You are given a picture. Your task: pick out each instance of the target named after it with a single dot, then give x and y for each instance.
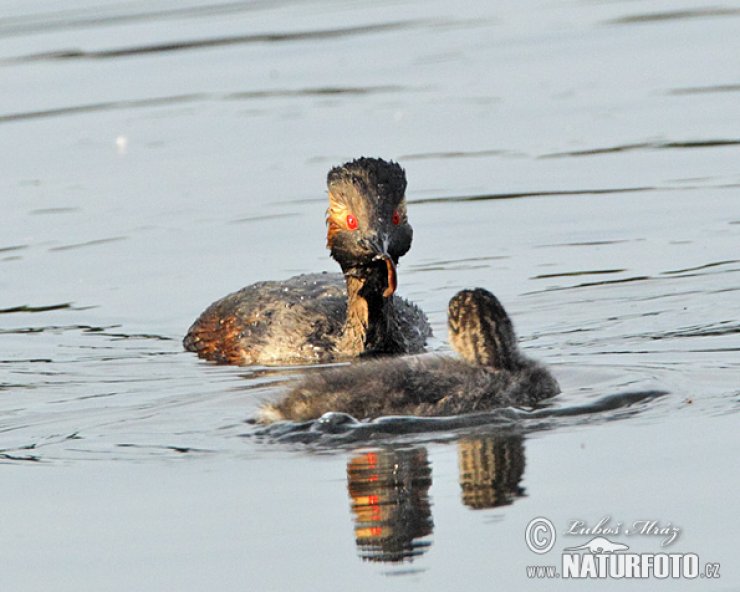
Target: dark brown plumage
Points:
(493, 373)
(325, 317)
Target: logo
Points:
(603, 556)
(599, 545)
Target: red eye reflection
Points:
(396, 219)
(351, 222)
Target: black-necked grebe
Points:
(325, 317)
(492, 373)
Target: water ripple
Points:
(202, 97)
(577, 273)
(103, 106)
(337, 429)
(458, 154)
(714, 143)
(42, 308)
(719, 328)
(673, 15)
(719, 267)
(517, 195)
(458, 264)
(13, 248)
(90, 243)
(702, 267)
(698, 90)
(4, 456)
(60, 210)
(79, 19)
(190, 44)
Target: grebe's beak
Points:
(392, 278)
(381, 248)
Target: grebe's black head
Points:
(367, 221)
(481, 331)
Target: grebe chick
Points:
(326, 317)
(492, 373)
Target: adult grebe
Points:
(492, 373)
(325, 317)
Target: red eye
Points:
(351, 222)
(396, 219)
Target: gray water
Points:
(578, 158)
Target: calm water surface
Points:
(578, 158)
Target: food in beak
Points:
(392, 279)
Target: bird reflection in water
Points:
(389, 489)
(490, 470)
(389, 492)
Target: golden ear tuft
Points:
(336, 214)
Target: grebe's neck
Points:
(371, 324)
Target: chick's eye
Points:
(351, 222)
(396, 219)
